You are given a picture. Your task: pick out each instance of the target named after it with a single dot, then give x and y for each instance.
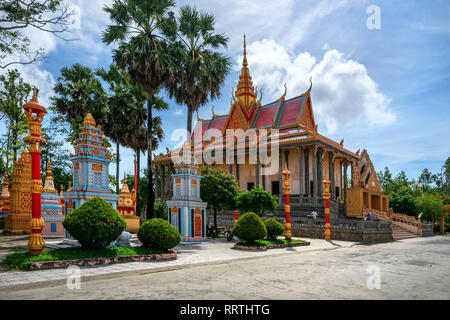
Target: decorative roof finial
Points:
(34, 99)
(310, 87)
(214, 115)
(49, 168)
(244, 62)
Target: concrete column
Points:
(345, 183)
(237, 171)
(257, 172)
(300, 170)
(280, 178)
(314, 166)
(307, 191)
(331, 156)
(163, 173)
(156, 182)
(320, 171)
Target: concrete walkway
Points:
(189, 255)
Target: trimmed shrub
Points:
(95, 224)
(158, 233)
(274, 229)
(161, 210)
(250, 227)
(256, 200)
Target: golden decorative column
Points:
(287, 208)
(35, 114)
(326, 195)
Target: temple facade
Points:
(19, 216)
(290, 123)
(52, 211)
(90, 168)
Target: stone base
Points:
(193, 239)
(99, 261)
(365, 237)
(133, 223)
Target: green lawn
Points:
(23, 260)
(261, 243)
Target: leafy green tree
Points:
(425, 179)
(432, 207)
(403, 201)
(141, 28)
(202, 68)
(78, 92)
(446, 177)
(49, 16)
(14, 93)
(59, 157)
(256, 200)
(219, 189)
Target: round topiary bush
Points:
(95, 224)
(250, 227)
(159, 234)
(274, 229)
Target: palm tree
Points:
(202, 69)
(142, 29)
(136, 135)
(123, 97)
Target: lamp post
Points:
(35, 114)
(287, 208)
(326, 195)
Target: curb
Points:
(45, 265)
(272, 246)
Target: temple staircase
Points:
(403, 226)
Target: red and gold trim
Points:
(287, 208)
(326, 195)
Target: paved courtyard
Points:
(408, 269)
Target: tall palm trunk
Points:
(189, 120)
(150, 198)
(117, 168)
(138, 168)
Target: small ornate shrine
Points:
(127, 209)
(187, 211)
(52, 212)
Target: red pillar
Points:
(326, 195)
(235, 216)
(35, 114)
(287, 208)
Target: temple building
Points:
(18, 219)
(90, 168)
(127, 207)
(310, 156)
(4, 199)
(52, 211)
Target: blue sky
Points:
(383, 90)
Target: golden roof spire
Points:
(49, 168)
(244, 62)
(245, 92)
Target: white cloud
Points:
(178, 112)
(343, 93)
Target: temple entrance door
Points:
(275, 188)
(197, 223)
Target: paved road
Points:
(409, 269)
